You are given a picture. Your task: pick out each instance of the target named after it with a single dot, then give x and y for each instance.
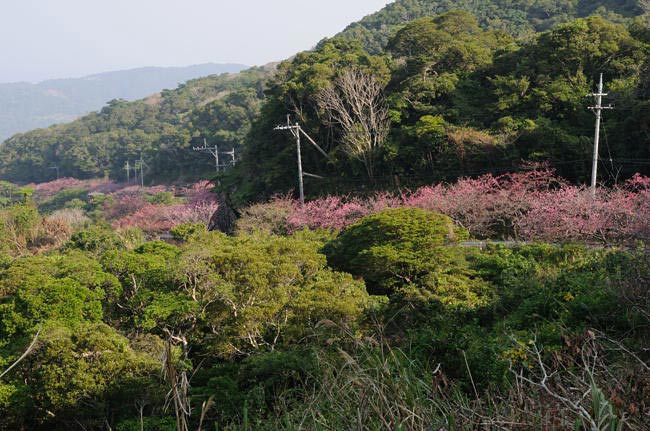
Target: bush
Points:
(185, 231)
(71, 198)
(262, 292)
(96, 239)
(74, 217)
(19, 225)
(270, 217)
(161, 198)
(407, 250)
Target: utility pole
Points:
(127, 168)
(140, 164)
(598, 111)
(213, 151)
(138, 167)
(296, 131)
(231, 153)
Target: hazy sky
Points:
(42, 39)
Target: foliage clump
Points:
(410, 253)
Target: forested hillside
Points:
(27, 106)
(457, 100)
(457, 96)
(161, 129)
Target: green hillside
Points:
(480, 302)
(162, 128)
(27, 106)
(461, 101)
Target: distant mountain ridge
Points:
(25, 106)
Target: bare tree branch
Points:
(24, 355)
(355, 102)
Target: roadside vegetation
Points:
(345, 313)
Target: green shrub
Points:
(75, 197)
(96, 239)
(185, 231)
(161, 198)
(410, 252)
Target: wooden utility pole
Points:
(598, 111)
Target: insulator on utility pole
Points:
(598, 111)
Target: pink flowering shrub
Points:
(528, 206)
(487, 206)
(333, 213)
(150, 218)
(47, 190)
(639, 224)
(157, 219)
(336, 213)
(619, 215)
(123, 204)
(131, 200)
(199, 212)
(199, 192)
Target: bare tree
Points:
(355, 102)
(176, 376)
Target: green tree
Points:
(259, 292)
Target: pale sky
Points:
(43, 39)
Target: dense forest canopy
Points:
(520, 18)
(463, 101)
